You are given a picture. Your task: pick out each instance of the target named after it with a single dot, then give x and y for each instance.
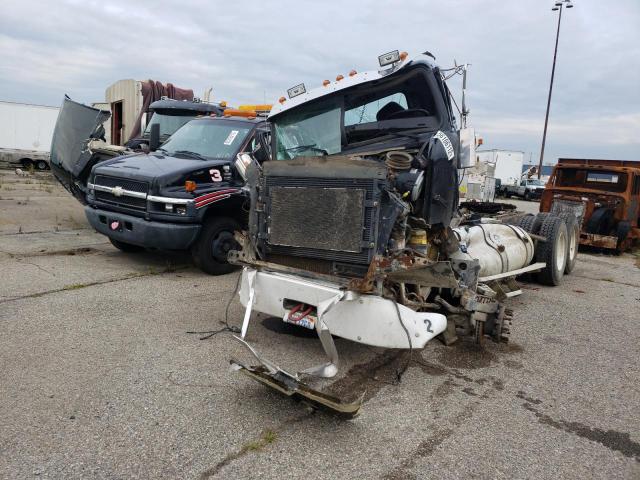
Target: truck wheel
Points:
(216, 239)
(622, 232)
(573, 240)
(527, 195)
(126, 247)
(526, 223)
(26, 162)
(553, 252)
(41, 165)
(537, 223)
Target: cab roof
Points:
(351, 80)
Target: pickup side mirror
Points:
(243, 160)
(467, 155)
(154, 137)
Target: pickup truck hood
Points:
(156, 167)
(71, 158)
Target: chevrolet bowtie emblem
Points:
(117, 191)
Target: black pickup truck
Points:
(187, 194)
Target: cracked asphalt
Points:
(100, 379)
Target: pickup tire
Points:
(553, 251)
(41, 165)
(126, 247)
(527, 195)
(214, 242)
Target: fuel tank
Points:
(499, 248)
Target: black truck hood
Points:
(71, 160)
(156, 167)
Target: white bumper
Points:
(367, 319)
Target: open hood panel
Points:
(71, 158)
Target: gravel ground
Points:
(100, 379)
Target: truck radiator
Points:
(325, 218)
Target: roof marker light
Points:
(339, 77)
(297, 90)
(352, 73)
(403, 56)
(325, 83)
(389, 58)
(282, 100)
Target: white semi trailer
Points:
(25, 133)
(508, 166)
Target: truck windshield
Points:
(168, 123)
(208, 138)
(309, 131)
(535, 182)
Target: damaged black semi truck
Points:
(354, 228)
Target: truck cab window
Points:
(372, 111)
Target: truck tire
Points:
(527, 195)
(526, 223)
(126, 247)
(553, 252)
(573, 240)
(214, 242)
(537, 223)
(26, 162)
(41, 165)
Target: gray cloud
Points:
(249, 51)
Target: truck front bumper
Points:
(145, 233)
(367, 319)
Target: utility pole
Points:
(558, 7)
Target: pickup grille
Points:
(123, 201)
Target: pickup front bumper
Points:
(145, 233)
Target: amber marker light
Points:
(352, 73)
(190, 186)
(282, 99)
(339, 77)
(403, 56)
(325, 83)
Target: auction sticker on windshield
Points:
(232, 136)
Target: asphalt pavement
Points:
(99, 378)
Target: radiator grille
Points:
(126, 184)
(325, 218)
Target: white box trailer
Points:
(25, 126)
(508, 164)
(25, 133)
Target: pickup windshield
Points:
(535, 182)
(208, 139)
(168, 123)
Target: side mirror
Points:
(467, 155)
(154, 137)
(243, 160)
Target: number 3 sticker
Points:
(215, 175)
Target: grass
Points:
(267, 438)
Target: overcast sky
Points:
(252, 50)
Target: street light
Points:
(556, 8)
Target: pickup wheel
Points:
(553, 251)
(216, 239)
(41, 165)
(527, 195)
(126, 247)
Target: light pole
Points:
(557, 7)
